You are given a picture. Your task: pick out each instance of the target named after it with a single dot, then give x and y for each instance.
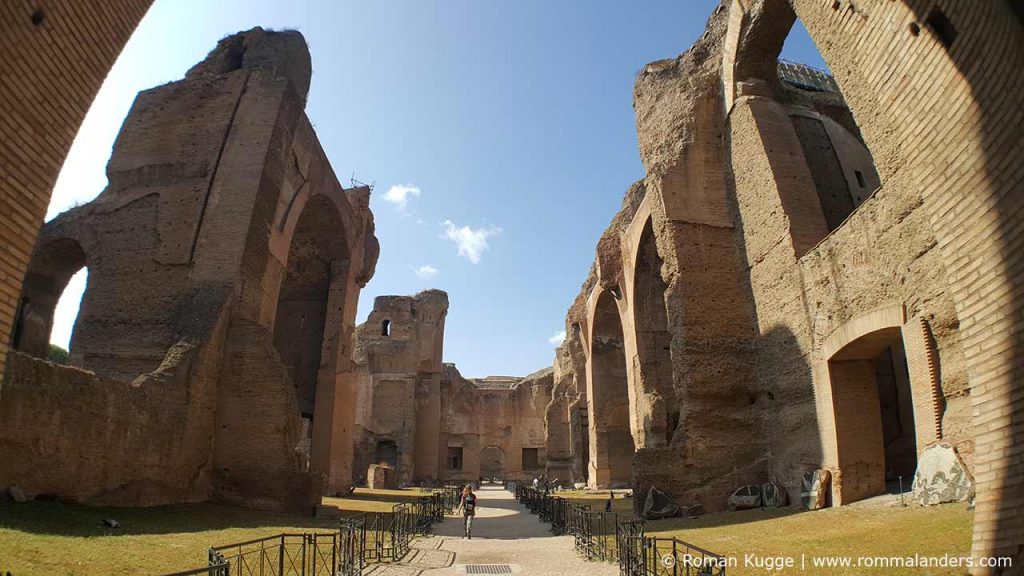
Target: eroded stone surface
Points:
(422, 417)
(212, 351)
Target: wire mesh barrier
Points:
(806, 77)
(359, 540)
(613, 537)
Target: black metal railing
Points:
(359, 540)
(650, 556)
(388, 535)
(305, 554)
(614, 537)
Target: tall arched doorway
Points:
(653, 340)
(611, 437)
(492, 463)
(876, 441)
(312, 286)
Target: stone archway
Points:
(53, 264)
(879, 409)
(612, 444)
(492, 463)
(653, 340)
(313, 285)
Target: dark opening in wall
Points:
(860, 178)
(385, 328)
(942, 27)
(531, 459)
(454, 461)
(38, 17)
(387, 453)
(1018, 8)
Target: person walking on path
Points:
(468, 507)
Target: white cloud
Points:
(399, 195)
(425, 272)
(557, 339)
(472, 243)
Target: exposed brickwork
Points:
(222, 223)
(928, 264)
(412, 403)
(51, 73)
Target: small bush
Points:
(57, 355)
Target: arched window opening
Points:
(838, 173)
(66, 314)
(492, 463)
(385, 328)
(50, 303)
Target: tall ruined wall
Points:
(787, 275)
(926, 84)
(44, 103)
(565, 417)
(221, 214)
(508, 419)
(399, 350)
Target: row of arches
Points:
(632, 402)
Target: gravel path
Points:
(504, 532)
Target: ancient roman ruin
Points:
(225, 263)
(811, 276)
(421, 417)
(818, 277)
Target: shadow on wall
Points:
(782, 397)
(1009, 202)
(783, 402)
(988, 59)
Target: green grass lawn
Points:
(847, 531)
(873, 529)
(54, 539)
(596, 499)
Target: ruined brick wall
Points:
(928, 85)
(221, 204)
(509, 419)
(763, 269)
(398, 351)
(73, 435)
(55, 57)
(412, 408)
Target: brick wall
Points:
(55, 56)
(945, 120)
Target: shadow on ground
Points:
(56, 518)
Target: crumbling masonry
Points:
(428, 422)
(807, 279)
(212, 354)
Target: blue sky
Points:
(500, 137)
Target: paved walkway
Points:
(504, 532)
